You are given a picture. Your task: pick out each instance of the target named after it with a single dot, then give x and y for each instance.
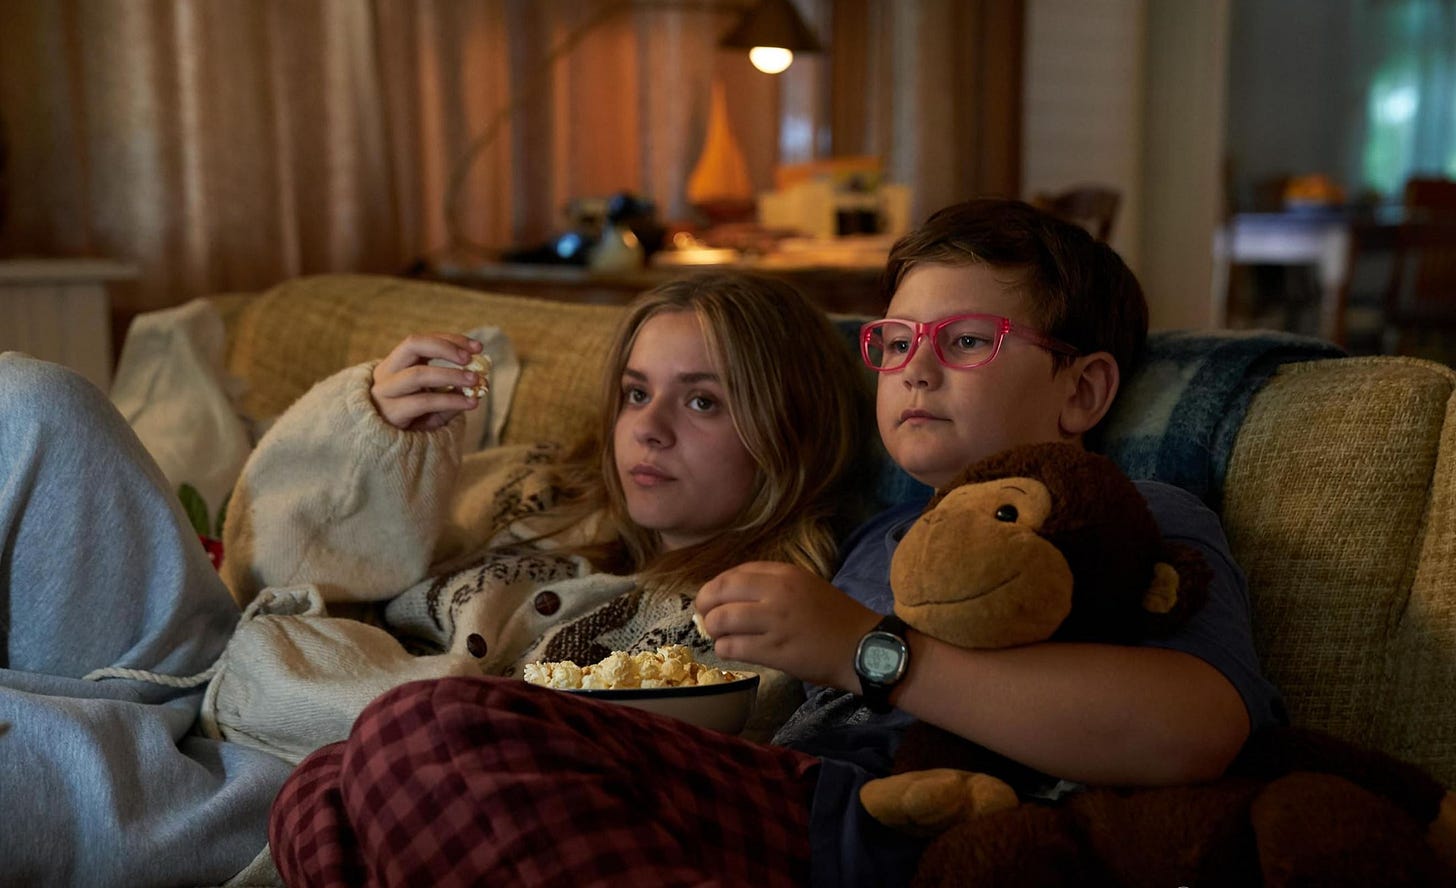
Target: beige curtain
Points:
(223, 145)
(934, 88)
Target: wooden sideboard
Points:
(59, 310)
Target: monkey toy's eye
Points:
(1006, 513)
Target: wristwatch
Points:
(880, 662)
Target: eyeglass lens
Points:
(964, 342)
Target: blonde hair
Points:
(800, 405)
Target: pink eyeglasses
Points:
(959, 341)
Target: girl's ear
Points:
(1094, 380)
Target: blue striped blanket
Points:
(1176, 418)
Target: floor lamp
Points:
(771, 30)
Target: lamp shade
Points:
(771, 23)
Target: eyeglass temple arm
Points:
(1039, 338)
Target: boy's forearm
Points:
(1101, 714)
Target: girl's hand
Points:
(783, 616)
(407, 389)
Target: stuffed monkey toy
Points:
(1052, 542)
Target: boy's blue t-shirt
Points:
(856, 745)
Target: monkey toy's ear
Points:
(1179, 587)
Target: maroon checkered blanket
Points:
(464, 781)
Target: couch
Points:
(1335, 478)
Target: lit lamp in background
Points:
(771, 30)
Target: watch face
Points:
(881, 657)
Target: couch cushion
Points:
(307, 328)
(1339, 506)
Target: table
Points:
(841, 278)
(1322, 238)
(59, 310)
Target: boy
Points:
(951, 390)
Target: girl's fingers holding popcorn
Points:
(421, 378)
(424, 410)
(422, 347)
(412, 390)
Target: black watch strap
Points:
(888, 634)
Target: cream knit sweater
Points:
(335, 496)
(338, 499)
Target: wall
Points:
(1183, 158)
(1291, 88)
(1132, 93)
(1083, 109)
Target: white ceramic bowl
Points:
(720, 707)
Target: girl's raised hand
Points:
(410, 393)
(783, 616)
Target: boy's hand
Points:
(783, 616)
(407, 389)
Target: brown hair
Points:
(800, 406)
(1079, 290)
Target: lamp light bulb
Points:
(770, 59)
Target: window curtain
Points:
(935, 88)
(224, 146)
(1407, 49)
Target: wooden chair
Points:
(1420, 302)
(1094, 207)
(1370, 259)
(1420, 298)
(1427, 198)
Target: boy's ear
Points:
(1095, 378)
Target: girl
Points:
(756, 375)
(732, 427)
(721, 392)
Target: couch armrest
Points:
(1340, 504)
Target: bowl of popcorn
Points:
(668, 681)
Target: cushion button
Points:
(547, 603)
(475, 644)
